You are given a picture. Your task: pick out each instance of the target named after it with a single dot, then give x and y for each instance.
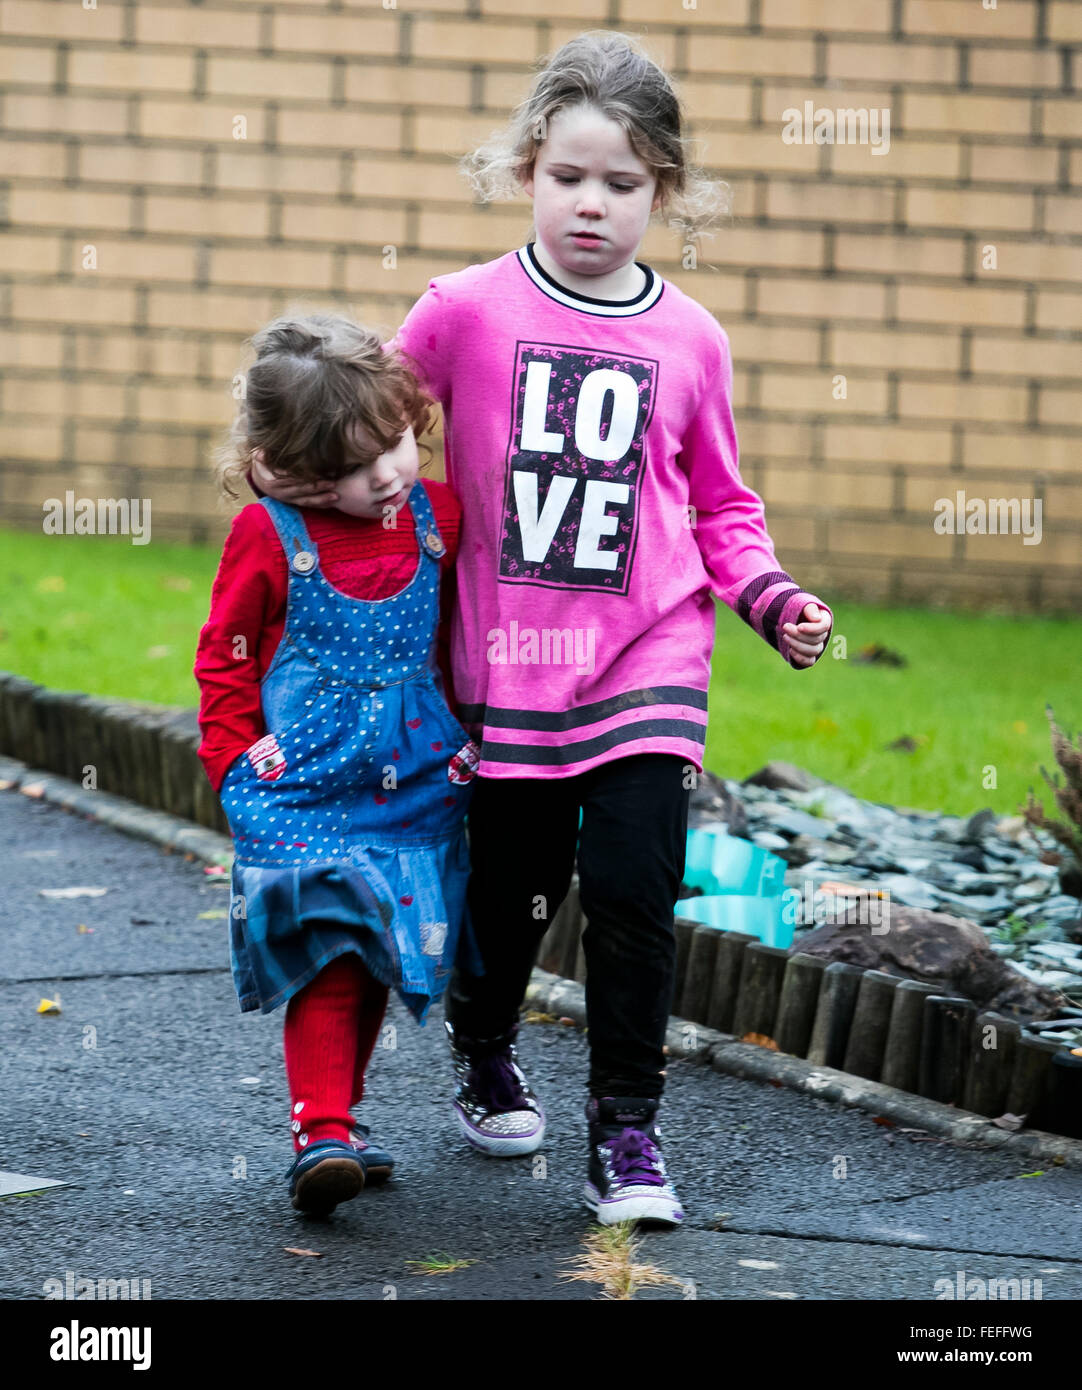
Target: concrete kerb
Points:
(117, 812)
(553, 994)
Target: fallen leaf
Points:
(214, 870)
(82, 1134)
(1011, 1122)
(296, 1250)
(851, 890)
(72, 892)
(760, 1040)
(34, 789)
(84, 930)
(214, 912)
(49, 1006)
(1038, 1174)
(1076, 1051)
(888, 1124)
(565, 1019)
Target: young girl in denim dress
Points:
(327, 732)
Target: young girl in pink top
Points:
(589, 437)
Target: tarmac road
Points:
(166, 1112)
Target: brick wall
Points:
(142, 241)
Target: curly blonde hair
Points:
(315, 377)
(612, 73)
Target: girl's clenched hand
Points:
(808, 637)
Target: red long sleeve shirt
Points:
(360, 557)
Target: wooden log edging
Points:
(135, 766)
(728, 1055)
(869, 1024)
(142, 752)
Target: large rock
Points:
(948, 952)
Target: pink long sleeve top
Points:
(591, 444)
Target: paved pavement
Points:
(166, 1112)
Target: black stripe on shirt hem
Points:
(557, 721)
(544, 756)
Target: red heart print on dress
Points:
(380, 799)
(396, 755)
(406, 900)
(414, 723)
(436, 747)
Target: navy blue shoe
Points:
(324, 1174)
(377, 1162)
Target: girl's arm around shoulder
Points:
(728, 522)
(248, 595)
(428, 339)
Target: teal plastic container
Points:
(721, 863)
(764, 917)
(743, 887)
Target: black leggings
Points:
(523, 833)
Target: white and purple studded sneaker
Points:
(497, 1111)
(627, 1177)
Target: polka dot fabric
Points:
(351, 837)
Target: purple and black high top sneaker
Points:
(627, 1177)
(496, 1109)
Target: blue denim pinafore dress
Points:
(348, 816)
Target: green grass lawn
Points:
(98, 614)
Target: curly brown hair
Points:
(314, 379)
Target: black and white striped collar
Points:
(647, 297)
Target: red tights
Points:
(331, 1027)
